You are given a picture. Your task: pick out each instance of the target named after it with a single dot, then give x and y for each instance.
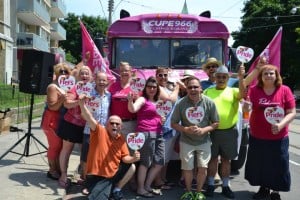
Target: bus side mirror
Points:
(124, 13)
(205, 14)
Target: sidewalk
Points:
(24, 177)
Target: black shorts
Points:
(71, 132)
(85, 147)
(224, 143)
(100, 187)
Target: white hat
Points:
(222, 70)
(187, 73)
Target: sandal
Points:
(156, 191)
(81, 182)
(146, 195)
(64, 184)
(53, 175)
(163, 187)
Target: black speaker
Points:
(36, 70)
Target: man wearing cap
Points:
(224, 138)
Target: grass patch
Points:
(11, 97)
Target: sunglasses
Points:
(151, 87)
(62, 71)
(162, 75)
(221, 77)
(211, 66)
(193, 87)
(114, 123)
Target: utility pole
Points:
(110, 10)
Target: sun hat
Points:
(222, 70)
(187, 73)
(210, 61)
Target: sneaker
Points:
(227, 192)
(199, 196)
(275, 196)
(210, 191)
(262, 193)
(187, 196)
(117, 195)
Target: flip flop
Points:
(146, 195)
(163, 187)
(155, 191)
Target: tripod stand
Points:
(27, 136)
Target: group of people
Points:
(204, 115)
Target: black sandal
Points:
(53, 176)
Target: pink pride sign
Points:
(163, 108)
(66, 82)
(138, 81)
(274, 114)
(84, 88)
(93, 103)
(244, 54)
(135, 141)
(137, 84)
(195, 114)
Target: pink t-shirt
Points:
(148, 119)
(119, 102)
(266, 108)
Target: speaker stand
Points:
(26, 137)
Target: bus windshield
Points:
(174, 53)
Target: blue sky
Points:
(227, 11)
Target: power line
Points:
(267, 26)
(102, 9)
(235, 4)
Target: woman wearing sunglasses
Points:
(150, 123)
(51, 116)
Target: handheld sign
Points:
(84, 88)
(138, 81)
(93, 103)
(174, 77)
(66, 82)
(274, 114)
(195, 114)
(137, 84)
(163, 108)
(244, 54)
(135, 141)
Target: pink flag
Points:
(92, 56)
(272, 52)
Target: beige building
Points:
(28, 24)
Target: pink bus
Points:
(176, 41)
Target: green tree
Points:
(260, 22)
(96, 26)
